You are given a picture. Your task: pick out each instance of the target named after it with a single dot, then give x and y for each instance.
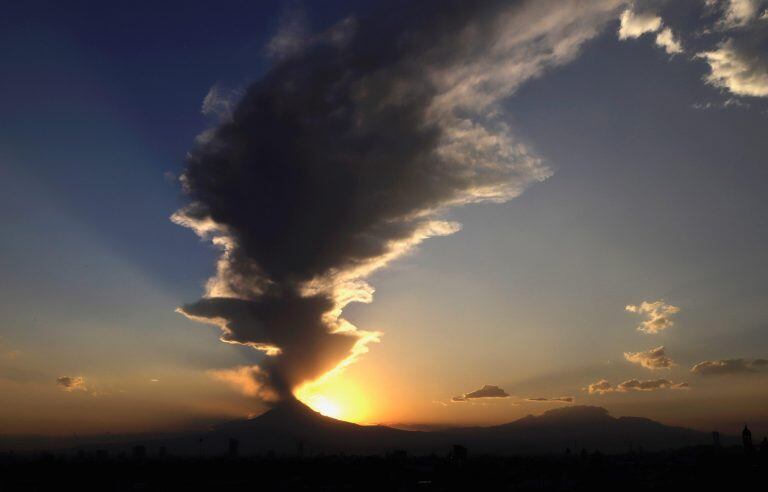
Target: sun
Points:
(338, 399)
(324, 406)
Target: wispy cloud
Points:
(729, 366)
(603, 386)
(557, 399)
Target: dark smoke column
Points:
(348, 153)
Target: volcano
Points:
(290, 428)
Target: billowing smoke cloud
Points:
(249, 380)
(72, 383)
(557, 399)
(602, 386)
(729, 366)
(487, 391)
(348, 153)
(655, 358)
(658, 315)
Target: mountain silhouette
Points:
(577, 427)
(291, 428)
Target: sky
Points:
(587, 226)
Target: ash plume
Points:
(349, 152)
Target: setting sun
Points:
(324, 406)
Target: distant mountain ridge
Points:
(291, 428)
(578, 427)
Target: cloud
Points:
(654, 358)
(649, 385)
(249, 380)
(739, 67)
(348, 153)
(564, 399)
(737, 62)
(599, 387)
(730, 102)
(635, 24)
(729, 366)
(657, 313)
(70, 383)
(220, 102)
(487, 391)
(667, 40)
(292, 36)
(738, 13)
(602, 386)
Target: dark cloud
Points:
(565, 399)
(348, 152)
(729, 366)
(70, 383)
(487, 391)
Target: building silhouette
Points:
(234, 448)
(746, 439)
(139, 453)
(716, 439)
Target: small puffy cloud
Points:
(667, 40)
(657, 313)
(487, 391)
(602, 386)
(738, 68)
(70, 383)
(564, 399)
(12, 354)
(654, 358)
(729, 366)
(599, 387)
(635, 24)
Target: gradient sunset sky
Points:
(630, 272)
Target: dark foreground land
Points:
(700, 467)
